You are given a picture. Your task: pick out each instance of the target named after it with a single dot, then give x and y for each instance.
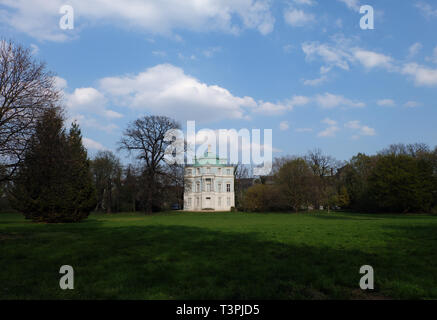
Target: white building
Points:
(209, 184)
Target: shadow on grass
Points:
(180, 262)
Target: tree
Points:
(81, 192)
(53, 182)
(129, 189)
(295, 179)
(27, 89)
(414, 150)
(107, 170)
(241, 176)
(145, 137)
(324, 167)
(262, 198)
(354, 176)
(402, 183)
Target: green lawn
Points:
(220, 256)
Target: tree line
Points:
(401, 178)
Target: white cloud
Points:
(412, 104)
(85, 103)
(87, 121)
(426, 9)
(361, 130)
(60, 83)
(331, 55)
(90, 100)
(386, 103)
(298, 18)
(305, 2)
(210, 52)
(353, 124)
(158, 53)
(329, 100)
(433, 58)
(303, 130)
(315, 82)
(422, 76)
(414, 50)
(40, 18)
(92, 145)
(329, 121)
(370, 59)
(352, 4)
(329, 132)
(166, 89)
(342, 55)
(284, 126)
(367, 131)
(85, 99)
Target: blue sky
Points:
(303, 68)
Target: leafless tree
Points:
(26, 90)
(278, 162)
(145, 137)
(414, 150)
(322, 165)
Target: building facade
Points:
(209, 184)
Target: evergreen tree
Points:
(53, 183)
(81, 191)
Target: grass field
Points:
(220, 256)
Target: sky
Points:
(303, 68)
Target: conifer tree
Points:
(53, 183)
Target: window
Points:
(208, 186)
(228, 201)
(198, 170)
(219, 187)
(198, 187)
(228, 187)
(219, 171)
(228, 172)
(208, 170)
(189, 203)
(189, 172)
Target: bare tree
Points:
(145, 137)
(322, 165)
(414, 150)
(26, 90)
